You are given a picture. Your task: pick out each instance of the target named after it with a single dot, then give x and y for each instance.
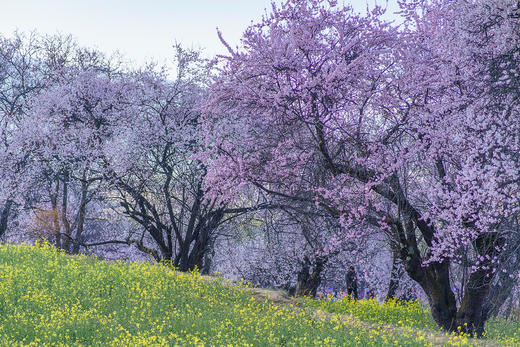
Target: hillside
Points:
(49, 298)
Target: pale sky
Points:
(143, 29)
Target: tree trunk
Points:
(502, 288)
(434, 279)
(497, 296)
(55, 217)
(4, 216)
(307, 282)
(196, 256)
(208, 259)
(470, 316)
(81, 217)
(180, 261)
(395, 277)
(66, 242)
(199, 251)
(442, 299)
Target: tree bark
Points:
(66, 242)
(4, 217)
(436, 284)
(55, 217)
(502, 287)
(81, 217)
(395, 276)
(470, 316)
(307, 282)
(434, 278)
(497, 296)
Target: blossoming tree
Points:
(416, 130)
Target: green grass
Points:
(394, 313)
(412, 315)
(506, 332)
(49, 298)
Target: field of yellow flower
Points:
(413, 317)
(49, 298)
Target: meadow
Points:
(50, 298)
(412, 316)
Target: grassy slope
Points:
(412, 316)
(48, 298)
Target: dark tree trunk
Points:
(471, 317)
(308, 282)
(66, 242)
(509, 308)
(434, 278)
(208, 257)
(55, 217)
(196, 256)
(81, 217)
(200, 256)
(395, 277)
(497, 296)
(208, 260)
(436, 285)
(4, 217)
(502, 287)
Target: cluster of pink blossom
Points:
(411, 129)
